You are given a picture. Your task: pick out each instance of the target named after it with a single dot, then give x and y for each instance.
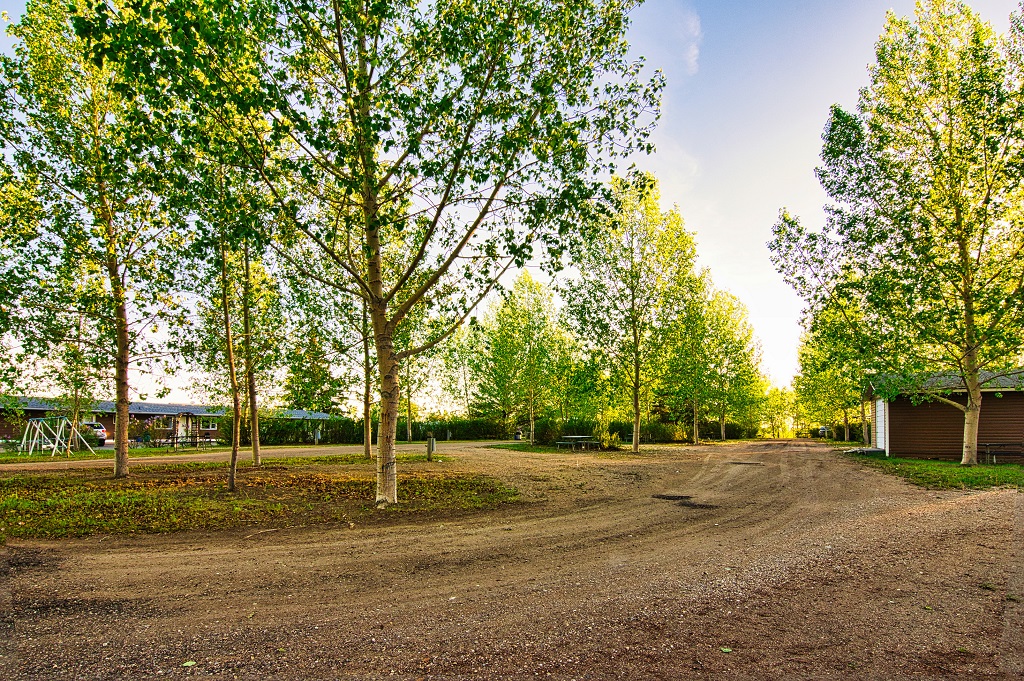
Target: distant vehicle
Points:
(822, 431)
(99, 430)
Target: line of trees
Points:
(346, 179)
(642, 335)
(916, 282)
(306, 202)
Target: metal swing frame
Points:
(53, 433)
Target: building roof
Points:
(951, 382)
(146, 409)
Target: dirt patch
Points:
(25, 558)
(805, 566)
(684, 500)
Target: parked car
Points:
(99, 430)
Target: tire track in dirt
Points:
(806, 567)
(1011, 659)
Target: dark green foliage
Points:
(343, 430)
(339, 430)
(460, 429)
(650, 432)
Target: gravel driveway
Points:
(765, 560)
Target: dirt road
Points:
(768, 560)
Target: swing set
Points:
(53, 434)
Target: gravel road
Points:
(766, 560)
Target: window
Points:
(207, 423)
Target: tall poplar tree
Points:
(513, 368)
(466, 134)
(925, 232)
(89, 185)
(633, 277)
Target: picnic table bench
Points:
(582, 441)
(990, 449)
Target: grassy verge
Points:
(946, 474)
(134, 453)
(346, 459)
(845, 444)
(193, 496)
(142, 452)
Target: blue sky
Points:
(749, 88)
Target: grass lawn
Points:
(142, 452)
(193, 496)
(946, 474)
(133, 453)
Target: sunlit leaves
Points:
(924, 234)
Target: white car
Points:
(98, 429)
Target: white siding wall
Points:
(881, 425)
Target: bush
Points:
(649, 432)
(459, 428)
(712, 430)
(339, 430)
(344, 430)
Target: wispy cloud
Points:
(688, 37)
(670, 34)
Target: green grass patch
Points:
(946, 474)
(104, 454)
(347, 459)
(194, 496)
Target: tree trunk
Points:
(387, 475)
(531, 421)
(863, 424)
(120, 371)
(254, 418)
(972, 412)
(972, 380)
(696, 428)
(972, 415)
(76, 394)
(408, 401)
(236, 399)
(846, 425)
(721, 423)
(367, 384)
(636, 410)
(75, 415)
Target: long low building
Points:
(170, 418)
(918, 428)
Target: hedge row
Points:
(342, 430)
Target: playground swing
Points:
(53, 433)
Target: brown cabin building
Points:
(171, 418)
(935, 430)
(167, 419)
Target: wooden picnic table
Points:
(581, 441)
(990, 449)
